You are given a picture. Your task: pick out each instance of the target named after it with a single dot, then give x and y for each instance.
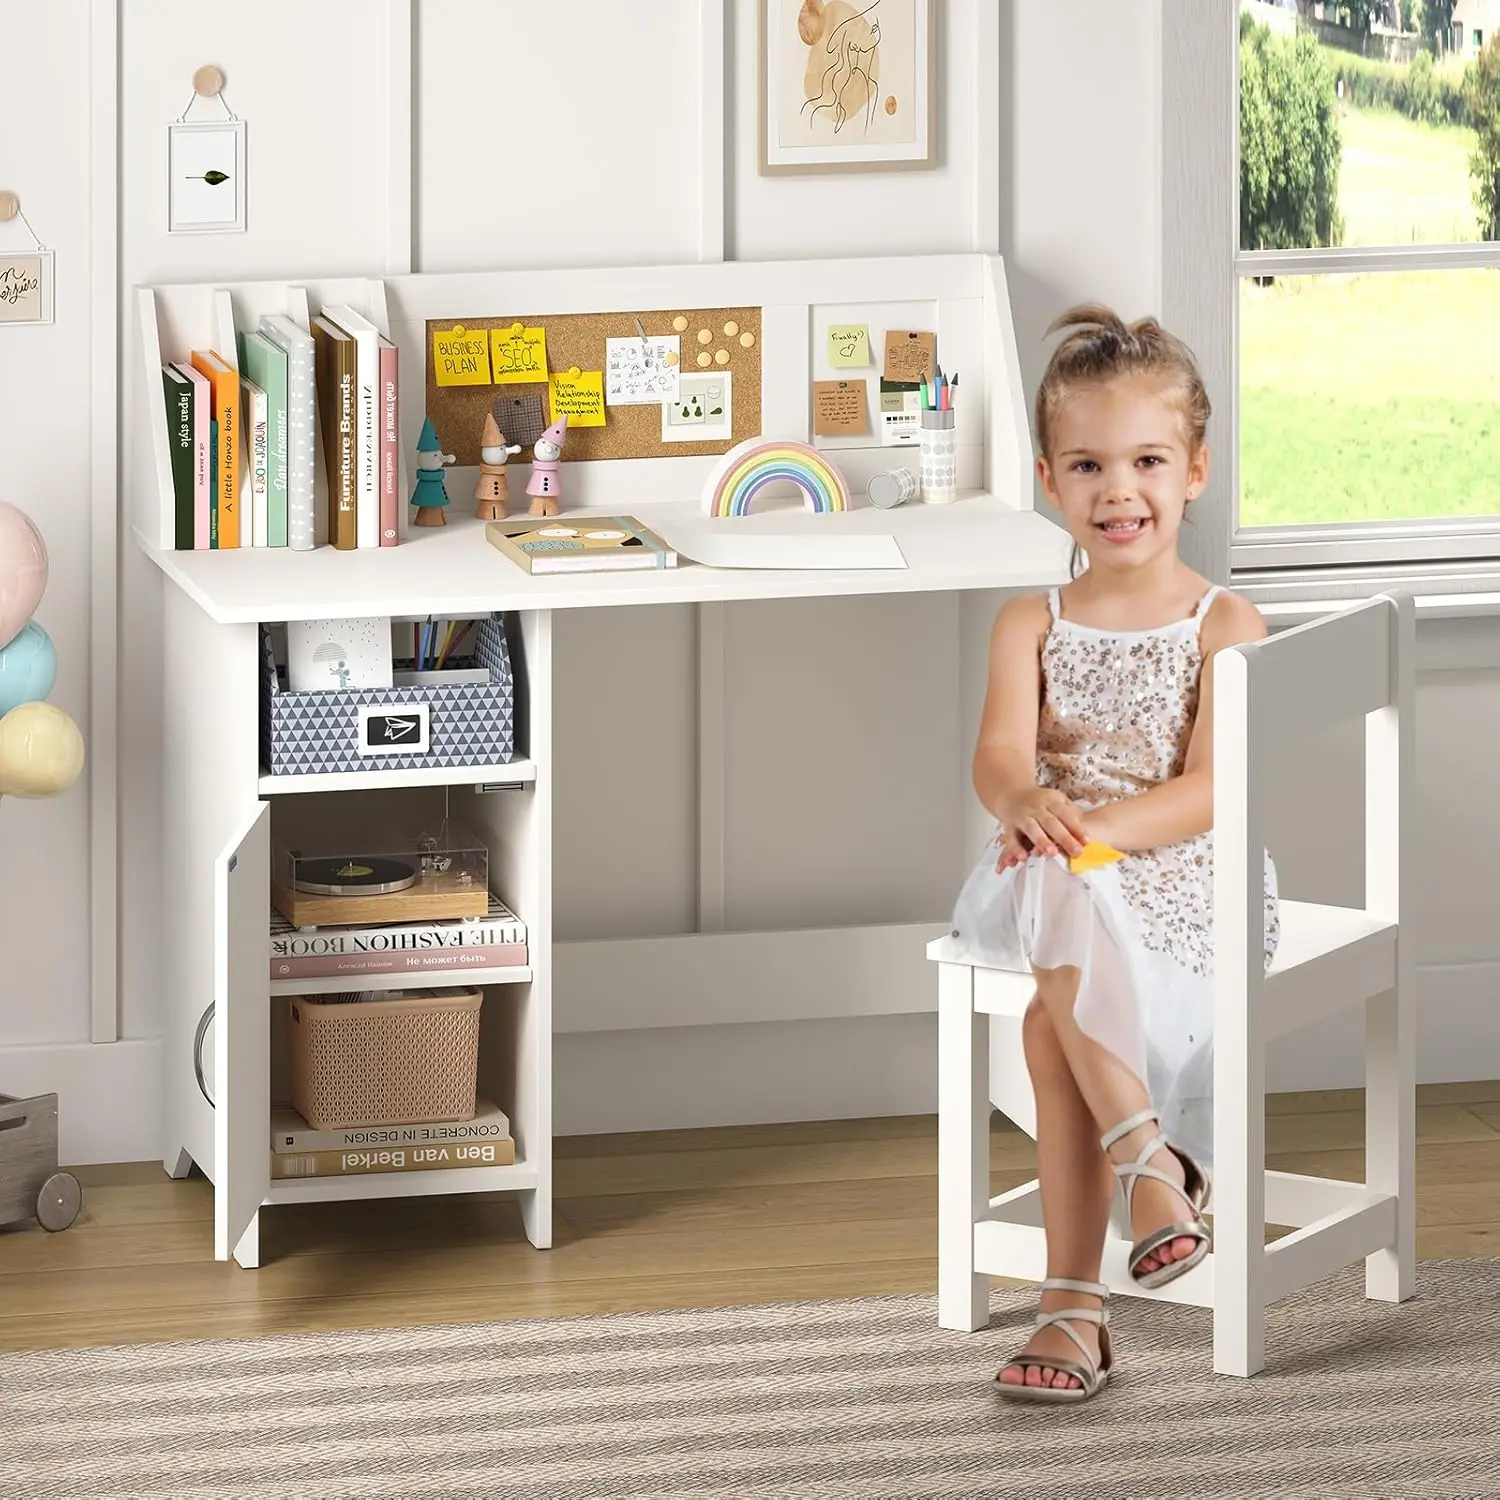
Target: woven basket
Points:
(399, 1061)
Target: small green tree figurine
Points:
(431, 495)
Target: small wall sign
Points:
(26, 287)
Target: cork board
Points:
(458, 411)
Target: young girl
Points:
(1097, 728)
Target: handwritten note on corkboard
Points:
(577, 340)
(909, 355)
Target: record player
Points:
(425, 876)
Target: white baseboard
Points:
(829, 1063)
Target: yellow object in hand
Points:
(1094, 856)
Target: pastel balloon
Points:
(28, 668)
(23, 570)
(41, 751)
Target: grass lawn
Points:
(1402, 183)
(1376, 398)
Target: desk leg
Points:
(963, 1149)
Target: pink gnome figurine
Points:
(545, 484)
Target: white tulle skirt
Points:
(1153, 1013)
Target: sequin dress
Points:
(1116, 715)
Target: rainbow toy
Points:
(748, 467)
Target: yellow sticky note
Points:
(518, 355)
(578, 395)
(848, 345)
(461, 356)
(1094, 856)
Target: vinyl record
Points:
(354, 876)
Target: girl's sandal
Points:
(1195, 1190)
(1091, 1378)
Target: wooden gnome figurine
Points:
(545, 484)
(430, 497)
(491, 492)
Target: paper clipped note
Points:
(910, 354)
(848, 345)
(841, 408)
(461, 356)
(1094, 856)
(518, 355)
(578, 395)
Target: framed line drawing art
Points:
(847, 85)
(206, 177)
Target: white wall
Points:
(1050, 150)
(44, 468)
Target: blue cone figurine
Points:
(430, 497)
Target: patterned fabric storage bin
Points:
(369, 729)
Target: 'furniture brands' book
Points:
(569, 544)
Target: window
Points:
(1367, 390)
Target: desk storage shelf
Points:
(219, 1003)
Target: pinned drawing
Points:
(846, 85)
(703, 410)
(641, 371)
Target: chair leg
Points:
(963, 1149)
(1390, 1138)
(1239, 1198)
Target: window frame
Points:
(1202, 271)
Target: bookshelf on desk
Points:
(216, 833)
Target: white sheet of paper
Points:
(720, 544)
(637, 371)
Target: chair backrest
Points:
(1357, 663)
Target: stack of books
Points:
(243, 435)
(297, 1150)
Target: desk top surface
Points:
(976, 542)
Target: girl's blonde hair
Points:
(1103, 348)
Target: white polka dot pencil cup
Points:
(938, 474)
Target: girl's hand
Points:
(1047, 821)
(1014, 850)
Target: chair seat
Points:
(1309, 932)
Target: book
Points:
(179, 393)
(390, 444)
(203, 440)
(291, 1133)
(301, 428)
(495, 940)
(596, 544)
(253, 500)
(213, 483)
(335, 363)
(399, 963)
(265, 363)
(224, 382)
(442, 1157)
(367, 419)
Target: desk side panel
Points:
(210, 757)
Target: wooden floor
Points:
(672, 1219)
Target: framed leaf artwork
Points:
(847, 85)
(206, 177)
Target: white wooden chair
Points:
(1356, 663)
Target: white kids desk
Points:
(216, 834)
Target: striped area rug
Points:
(803, 1401)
